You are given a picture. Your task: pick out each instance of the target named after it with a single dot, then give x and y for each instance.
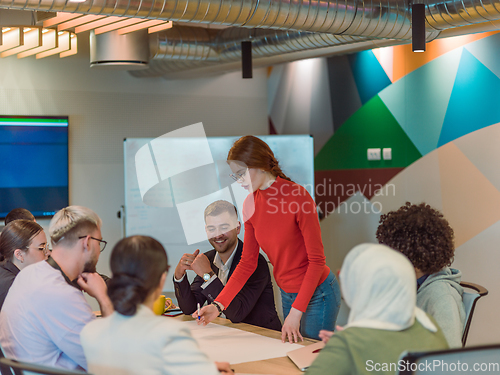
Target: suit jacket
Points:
(8, 272)
(254, 304)
(142, 344)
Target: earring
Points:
(19, 256)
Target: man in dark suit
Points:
(254, 304)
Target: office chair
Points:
(470, 300)
(25, 368)
(4, 370)
(471, 360)
(277, 294)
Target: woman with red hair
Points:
(280, 217)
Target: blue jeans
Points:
(322, 310)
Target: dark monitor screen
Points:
(33, 164)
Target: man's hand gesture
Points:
(185, 264)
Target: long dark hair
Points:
(19, 214)
(137, 264)
(255, 153)
(18, 234)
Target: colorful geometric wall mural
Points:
(447, 93)
(439, 112)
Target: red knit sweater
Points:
(285, 225)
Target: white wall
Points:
(106, 106)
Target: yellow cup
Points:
(159, 305)
(168, 303)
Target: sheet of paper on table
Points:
(224, 344)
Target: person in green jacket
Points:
(379, 285)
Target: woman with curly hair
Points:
(426, 238)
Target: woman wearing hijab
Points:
(379, 286)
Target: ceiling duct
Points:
(185, 48)
(298, 25)
(383, 19)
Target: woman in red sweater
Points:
(280, 217)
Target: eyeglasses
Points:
(44, 248)
(102, 244)
(238, 176)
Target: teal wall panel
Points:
(474, 101)
(419, 100)
(483, 51)
(369, 75)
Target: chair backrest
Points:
(472, 360)
(4, 370)
(25, 368)
(470, 300)
(277, 294)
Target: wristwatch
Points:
(208, 276)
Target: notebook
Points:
(304, 357)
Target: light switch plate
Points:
(374, 154)
(387, 153)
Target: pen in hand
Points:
(199, 311)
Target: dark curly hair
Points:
(421, 233)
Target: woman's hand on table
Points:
(207, 314)
(224, 367)
(325, 335)
(291, 327)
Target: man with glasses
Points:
(45, 311)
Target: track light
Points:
(246, 59)
(418, 27)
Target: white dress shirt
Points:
(224, 268)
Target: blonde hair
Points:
(72, 222)
(219, 207)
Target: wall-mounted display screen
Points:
(33, 164)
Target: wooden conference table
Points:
(276, 366)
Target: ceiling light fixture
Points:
(246, 59)
(49, 41)
(32, 38)
(11, 38)
(25, 41)
(418, 27)
(102, 24)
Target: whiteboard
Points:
(165, 198)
